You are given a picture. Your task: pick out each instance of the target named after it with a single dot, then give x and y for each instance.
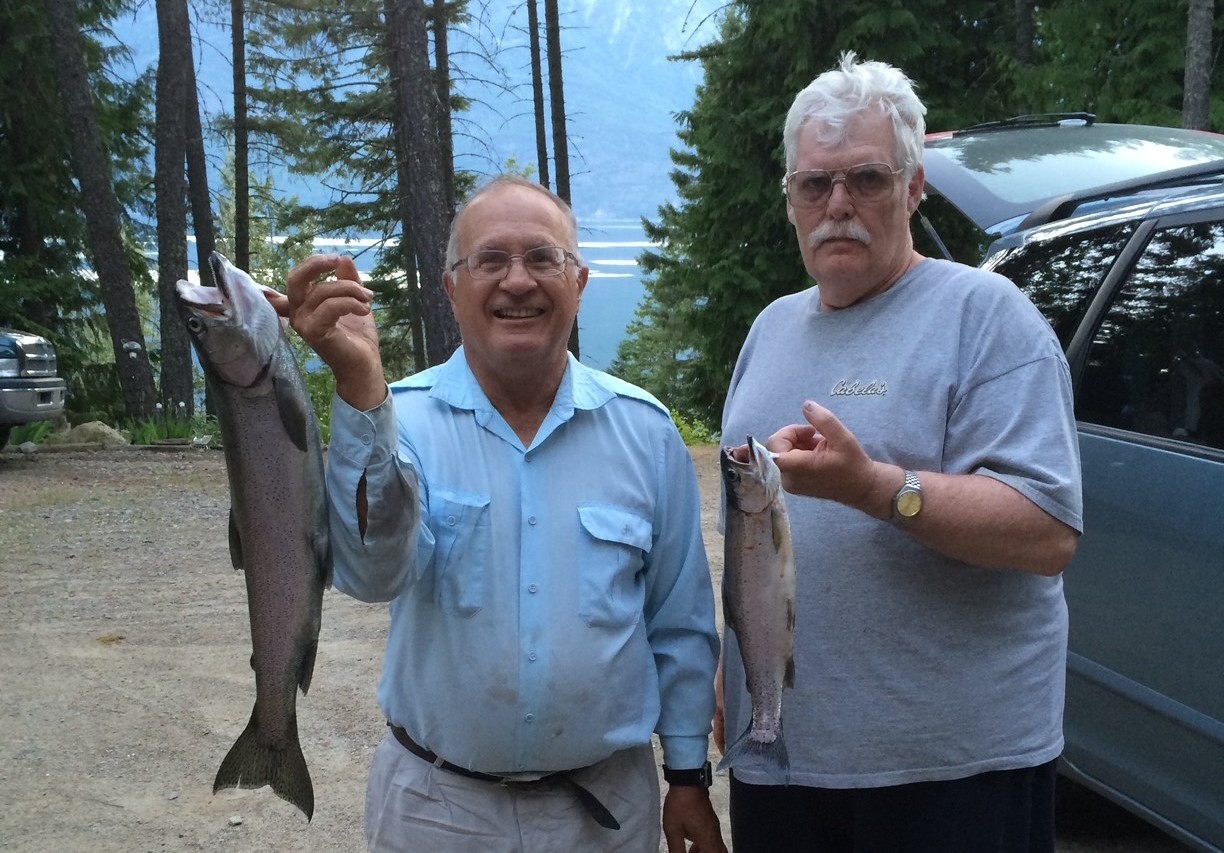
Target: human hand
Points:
(335, 317)
(688, 815)
(823, 459)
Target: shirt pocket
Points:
(611, 558)
(460, 524)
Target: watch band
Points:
(702, 776)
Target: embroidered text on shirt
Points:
(854, 388)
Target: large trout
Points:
(278, 517)
(759, 597)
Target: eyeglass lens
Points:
(867, 182)
(494, 263)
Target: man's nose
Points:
(518, 278)
(840, 204)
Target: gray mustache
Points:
(844, 230)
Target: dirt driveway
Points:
(123, 669)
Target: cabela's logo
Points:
(855, 388)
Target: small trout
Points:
(759, 597)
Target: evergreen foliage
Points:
(45, 283)
(322, 104)
(727, 247)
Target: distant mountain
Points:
(621, 92)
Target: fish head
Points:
(233, 327)
(751, 484)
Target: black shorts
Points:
(1007, 811)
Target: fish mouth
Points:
(214, 301)
(729, 457)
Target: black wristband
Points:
(702, 776)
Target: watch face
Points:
(908, 504)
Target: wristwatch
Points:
(702, 776)
(908, 501)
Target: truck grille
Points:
(39, 360)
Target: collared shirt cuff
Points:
(363, 438)
(684, 753)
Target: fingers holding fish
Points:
(791, 437)
(334, 315)
(824, 459)
(323, 289)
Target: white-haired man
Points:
(932, 514)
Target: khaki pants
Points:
(414, 807)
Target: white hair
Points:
(852, 88)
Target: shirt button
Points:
(531, 656)
(365, 438)
(533, 589)
(530, 718)
(450, 520)
(532, 521)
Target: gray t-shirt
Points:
(910, 666)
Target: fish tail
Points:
(767, 756)
(251, 763)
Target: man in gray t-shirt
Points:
(934, 499)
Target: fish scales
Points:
(278, 516)
(759, 598)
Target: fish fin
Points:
(306, 668)
(780, 526)
(728, 610)
(235, 542)
(293, 412)
(788, 678)
(250, 763)
(321, 545)
(768, 756)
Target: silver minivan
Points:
(1117, 233)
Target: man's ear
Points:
(917, 186)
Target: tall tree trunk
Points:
(202, 224)
(1196, 104)
(537, 91)
(101, 211)
(442, 82)
(242, 171)
(556, 97)
(416, 119)
(1026, 34)
(170, 138)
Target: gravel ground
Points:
(123, 658)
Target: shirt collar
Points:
(582, 388)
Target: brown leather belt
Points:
(597, 810)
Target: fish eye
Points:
(195, 325)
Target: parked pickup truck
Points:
(30, 389)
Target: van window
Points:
(1156, 364)
(1061, 274)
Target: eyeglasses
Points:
(866, 183)
(494, 264)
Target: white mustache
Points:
(846, 229)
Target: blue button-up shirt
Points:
(550, 604)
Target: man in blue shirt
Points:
(535, 526)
